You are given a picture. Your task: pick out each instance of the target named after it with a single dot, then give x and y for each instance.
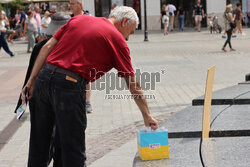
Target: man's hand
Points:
(150, 122)
(28, 89)
(135, 89)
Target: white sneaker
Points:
(89, 108)
(243, 34)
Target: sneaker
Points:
(12, 54)
(224, 36)
(234, 36)
(243, 34)
(89, 108)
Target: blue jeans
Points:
(61, 103)
(4, 44)
(181, 21)
(39, 31)
(32, 39)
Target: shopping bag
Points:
(153, 144)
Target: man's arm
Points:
(40, 61)
(136, 90)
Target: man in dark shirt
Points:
(21, 22)
(81, 51)
(198, 14)
(238, 19)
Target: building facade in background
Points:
(101, 8)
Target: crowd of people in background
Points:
(169, 14)
(32, 23)
(29, 25)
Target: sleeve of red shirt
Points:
(123, 63)
(61, 31)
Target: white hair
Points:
(122, 12)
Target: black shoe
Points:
(12, 55)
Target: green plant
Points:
(1, 7)
(16, 4)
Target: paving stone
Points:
(236, 117)
(230, 152)
(190, 119)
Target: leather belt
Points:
(63, 71)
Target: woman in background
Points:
(45, 23)
(31, 28)
(3, 42)
(180, 15)
(228, 18)
(165, 19)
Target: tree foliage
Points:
(1, 7)
(16, 4)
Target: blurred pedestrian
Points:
(228, 19)
(181, 16)
(198, 15)
(171, 9)
(246, 19)
(58, 81)
(31, 29)
(20, 26)
(3, 42)
(37, 16)
(53, 10)
(17, 32)
(76, 7)
(238, 19)
(165, 19)
(45, 23)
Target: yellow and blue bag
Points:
(153, 144)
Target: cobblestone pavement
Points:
(182, 60)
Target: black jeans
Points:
(4, 44)
(228, 41)
(61, 103)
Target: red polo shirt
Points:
(91, 46)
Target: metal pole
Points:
(145, 22)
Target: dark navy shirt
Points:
(198, 9)
(21, 17)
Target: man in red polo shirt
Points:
(81, 51)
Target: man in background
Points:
(239, 18)
(171, 9)
(198, 15)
